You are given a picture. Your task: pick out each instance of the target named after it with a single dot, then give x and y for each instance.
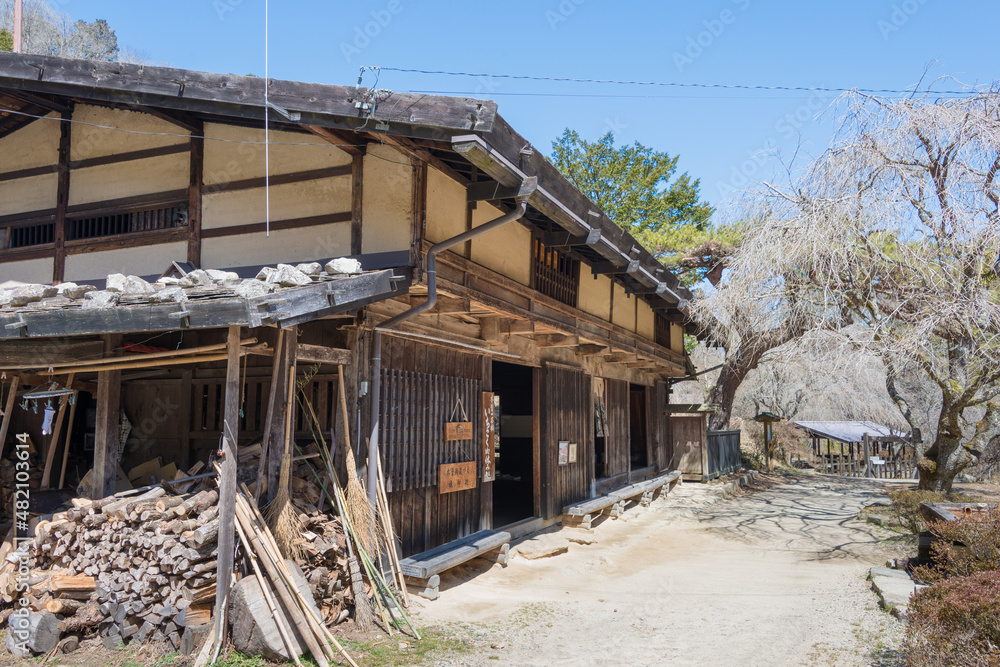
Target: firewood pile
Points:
(141, 566)
(145, 562)
(324, 561)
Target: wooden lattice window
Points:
(555, 274)
(662, 330)
(112, 224)
(32, 234)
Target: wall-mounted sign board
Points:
(456, 477)
(491, 416)
(457, 431)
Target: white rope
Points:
(267, 147)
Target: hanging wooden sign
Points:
(491, 409)
(457, 431)
(456, 477)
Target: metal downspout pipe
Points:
(528, 186)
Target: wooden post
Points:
(227, 483)
(829, 456)
(106, 432)
(290, 345)
(62, 199)
(357, 200)
(50, 453)
(69, 439)
(7, 410)
(195, 186)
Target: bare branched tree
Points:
(896, 228)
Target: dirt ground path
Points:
(775, 577)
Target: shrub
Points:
(955, 622)
(965, 546)
(906, 505)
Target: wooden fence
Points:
(723, 453)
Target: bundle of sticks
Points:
(149, 561)
(291, 611)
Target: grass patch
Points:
(437, 643)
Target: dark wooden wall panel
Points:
(420, 384)
(566, 414)
(659, 431)
(618, 431)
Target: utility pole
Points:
(17, 25)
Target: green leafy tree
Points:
(638, 188)
(6, 41)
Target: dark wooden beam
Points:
(28, 173)
(46, 103)
(281, 179)
(591, 349)
(488, 190)
(106, 430)
(349, 142)
(257, 227)
(414, 152)
(62, 199)
(145, 153)
(320, 354)
(179, 118)
(567, 240)
(196, 185)
(357, 202)
(557, 340)
(608, 268)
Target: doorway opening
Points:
(637, 426)
(513, 488)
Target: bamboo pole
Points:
(390, 536)
(159, 363)
(279, 619)
(59, 367)
(270, 548)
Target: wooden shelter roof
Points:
(850, 431)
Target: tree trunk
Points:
(946, 458)
(724, 392)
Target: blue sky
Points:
(724, 137)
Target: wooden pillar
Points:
(829, 456)
(357, 199)
(106, 432)
(195, 186)
(418, 207)
(227, 482)
(289, 347)
(62, 199)
(8, 410)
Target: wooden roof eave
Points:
(645, 271)
(284, 308)
(322, 105)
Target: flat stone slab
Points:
(894, 588)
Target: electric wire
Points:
(675, 84)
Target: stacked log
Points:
(149, 562)
(323, 549)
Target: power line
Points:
(672, 84)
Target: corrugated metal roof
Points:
(850, 431)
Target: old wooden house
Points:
(499, 320)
